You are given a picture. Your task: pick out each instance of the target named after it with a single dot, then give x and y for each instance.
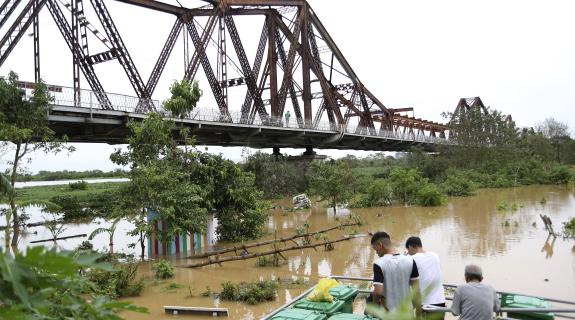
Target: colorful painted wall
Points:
(183, 243)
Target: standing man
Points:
(394, 275)
(475, 300)
(430, 280)
(287, 115)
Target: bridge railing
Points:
(120, 102)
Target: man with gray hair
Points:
(474, 300)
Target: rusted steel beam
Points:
(156, 5)
(273, 63)
(246, 107)
(163, 58)
(195, 61)
(212, 80)
(305, 70)
(287, 79)
(248, 72)
(199, 12)
(266, 3)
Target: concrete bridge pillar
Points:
(309, 151)
(276, 151)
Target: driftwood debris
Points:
(59, 238)
(548, 224)
(243, 248)
(219, 260)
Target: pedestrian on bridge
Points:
(287, 115)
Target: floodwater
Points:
(515, 255)
(516, 258)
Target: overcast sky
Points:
(518, 56)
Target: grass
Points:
(44, 193)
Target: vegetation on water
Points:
(70, 175)
(79, 185)
(119, 282)
(163, 269)
(46, 284)
(249, 292)
(329, 181)
(569, 229)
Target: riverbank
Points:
(47, 192)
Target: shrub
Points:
(458, 185)
(163, 269)
(560, 175)
(80, 185)
(569, 229)
(249, 292)
(430, 196)
(121, 282)
(379, 193)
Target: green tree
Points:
(185, 97)
(275, 176)
(330, 180)
(41, 284)
(406, 184)
(182, 184)
(24, 123)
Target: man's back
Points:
(430, 280)
(475, 301)
(397, 271)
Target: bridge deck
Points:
(82, 124)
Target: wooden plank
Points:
(216, 312)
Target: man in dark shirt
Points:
(394, 275)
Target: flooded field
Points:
(515, 253)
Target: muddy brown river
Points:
(516, 256)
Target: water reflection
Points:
(548, 247)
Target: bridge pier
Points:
(276, 152)
(309, 151)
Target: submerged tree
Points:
(331, 181)
(24, 125)
(182, 185)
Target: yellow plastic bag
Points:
(321, 291)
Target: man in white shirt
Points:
(430, 280)
(393, 274)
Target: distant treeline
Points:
(71, 175)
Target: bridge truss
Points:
(296, 67)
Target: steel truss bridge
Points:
(297, 67)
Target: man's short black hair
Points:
(378, 236)
(414, 242)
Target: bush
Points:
(560, 175)
(569, 229)
(458, 185)
(163, 269)
(121, 282)
(430, 196)
(80, 185)
(379, 193)
(249, 292)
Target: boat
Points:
(514, 305)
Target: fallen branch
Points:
(36, 224)
(59, 238)
(243, 248)
(219, 260)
